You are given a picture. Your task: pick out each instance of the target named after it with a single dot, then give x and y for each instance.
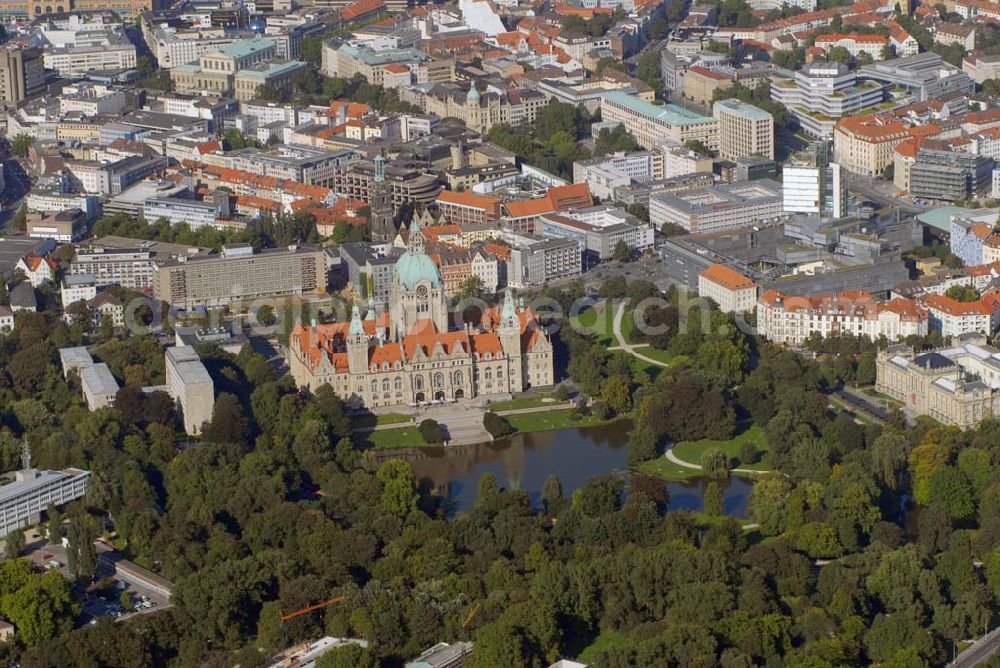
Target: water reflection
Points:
(524, 461)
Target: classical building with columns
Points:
(406, 355)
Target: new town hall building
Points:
(407, 355)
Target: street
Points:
(978, 651)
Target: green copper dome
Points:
(412, 268)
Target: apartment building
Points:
(651, 124)
(726, 207)
(240, 274)
(190, 386)
(744, 130)
(874, 46)
(731, 290)
(76, 288)
(195, 213)
(791, 320)
(954, 318)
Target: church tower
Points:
(509, 332)
(381, 223)
(357, 343)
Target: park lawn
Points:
(661, 467)
(892, 401)
(552, 420)
(599, 319)
(536, 399)
(691, 451)
(604, 641)
(379, 420)
(403, 437)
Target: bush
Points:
(601, 410)
(749, 453)
(431, 431)
(561, 393)
(497, 425)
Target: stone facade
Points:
(959, 385)
(407, 355)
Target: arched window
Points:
(438, 379)
(385, 385)
(399, 383)
(457, 378)
(499, 374)
(374, 388)
(489, 374)
(418, 382)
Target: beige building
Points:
(955, 386)
(240, 274)
(21, 74)
(792, 319)
(731, 290)
(701, 84)
(744, 130)
(236, 70)
(407, 356)
(190, 386)
(866, 144)
(652, 124)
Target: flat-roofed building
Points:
(652, 124)
(240, 274)
(538, 260)
(744, 130)
(99, 385)
(191, 386)
(726, 207)
(731, 290)
(23, 501)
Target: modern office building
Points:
(124, 262)
(537, 260)
(726, 207)
(240, 274)
(652, 124)
(21, 74)
(744, 130)
(598, 230)
(23, 501)
(941, 174)
(926, 76)
(195, 213)
(814, 185)
(822, 92)
(190, 386)
(958, 385)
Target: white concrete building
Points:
(190, 385)
(80, 287)
(744, 130)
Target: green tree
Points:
(399, 487)
(621, 252)
(14, 543)
(715, 463)
(500, 644)
(615, 394)
(950, 489)
(431, 431)
(839, 54)
(40, 609)
(20, 145)
(769, 503)
(962, 293)
(713, 499)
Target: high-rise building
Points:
(381, 222)
(813, 184)
(744, 130)
(21, 74)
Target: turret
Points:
(357, 343)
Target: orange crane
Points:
(310, 608)
(471, 614)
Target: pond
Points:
(524, 461)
